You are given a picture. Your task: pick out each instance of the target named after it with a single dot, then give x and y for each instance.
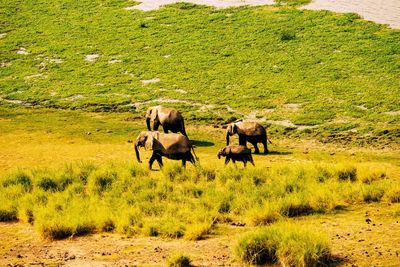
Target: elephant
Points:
(248, 131)
(169, 118)
(170, 145)
(236, 153)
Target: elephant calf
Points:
(236, 153)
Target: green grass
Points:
(87, 198)
(179, 260)
(267, 56)
(286, 244)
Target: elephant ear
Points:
(227, 150)
(154, 114)
(234, 128)
(152, 142)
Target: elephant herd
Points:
(177, 146)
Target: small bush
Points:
(47, 184)
(8, 215)
(393, 195)
(372, 193)
(55, 231)
(287, 243)
(288, 35)
(179, 260)
(347, 174)
(264, 215)
(101, 180)
(19, 178)
(198, 231)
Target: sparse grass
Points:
(285, 243)
(178, 259)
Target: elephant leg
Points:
(244, 162)
(165, 129)
(242, 140)
(159, 160)
(227, 159)
(251, 160)
(256, 150)
(152, 159)
(156, 125)
(191, 158)
(264, 142)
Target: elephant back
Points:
(174, 143)
(250, 128)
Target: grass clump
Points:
(179, 260)
(197, 231)
(286, 243)
(348, 173)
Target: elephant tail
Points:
(269, 140)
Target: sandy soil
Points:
(380, 11)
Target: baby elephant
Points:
(236, 153)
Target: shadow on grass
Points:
(274, 153)
(335, 260)
(201, 143)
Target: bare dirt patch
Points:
(382, 11)
(92, 57)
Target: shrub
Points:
(264, 215)
(55, 231)
(393, 195)
(198, 231)
(372, 193)
(19, 178)
(101, 180)
(290, 244)
(347, 174)
(288, 35)
(47, 184)
(179, 260)
(8, 215)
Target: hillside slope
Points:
(323, 71)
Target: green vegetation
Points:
(178, 260)
(333, 65)
(127, 198)
(286, 243)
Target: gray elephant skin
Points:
(248, 131)
(169, 118)
(170, 145)
(236, 153)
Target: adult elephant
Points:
(248, 131)
(169, 118)
(170, 145)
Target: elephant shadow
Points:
(201, 143)
(276, 153)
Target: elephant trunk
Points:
(137, 152)
(148, 124)
(227, 138)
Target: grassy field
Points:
(313, 68)
(73, 173)
(76, 79)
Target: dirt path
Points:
(380, 11)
